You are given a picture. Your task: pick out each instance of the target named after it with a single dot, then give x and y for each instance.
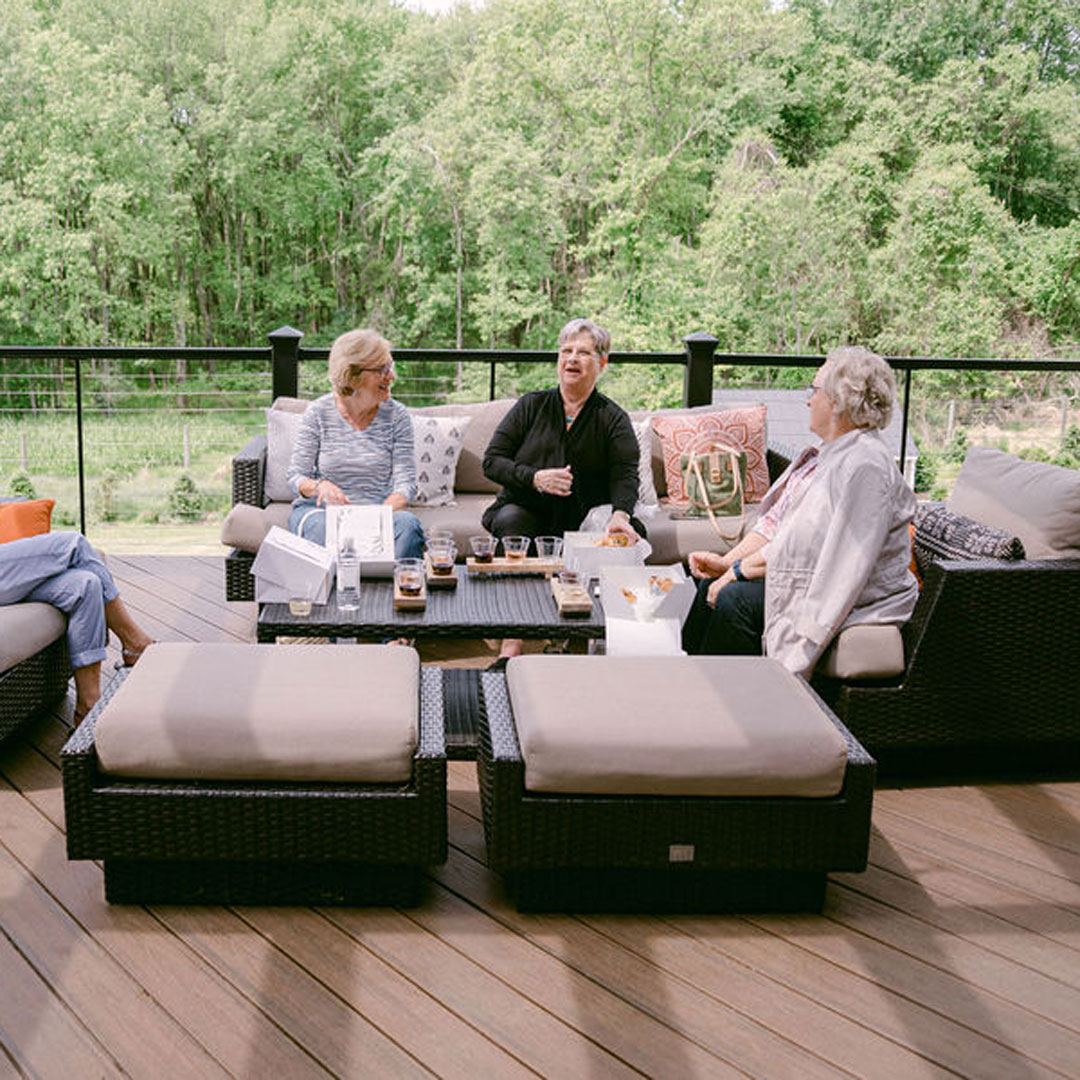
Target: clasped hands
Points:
(707, 564)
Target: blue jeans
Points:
(62, 569)
(732, 628)
(408, 532)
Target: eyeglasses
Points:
(578, 354)
(812, 389)
(382, 371)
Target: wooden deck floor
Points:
(957, 952)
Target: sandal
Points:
(129, 657)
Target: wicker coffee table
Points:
(495, 606)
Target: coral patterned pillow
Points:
(744, 427)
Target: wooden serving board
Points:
(502, 565)
(409, 603)
(439, 581)
(571, 599)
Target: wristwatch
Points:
(736, 569)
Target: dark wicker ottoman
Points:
(260, 843)
(633, 852)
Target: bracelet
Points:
(736, 569)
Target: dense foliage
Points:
(905, 173)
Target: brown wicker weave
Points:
(993, 675)
(259, 843)
(609, 852)
(31, 685)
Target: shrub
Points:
(185, 499)
(926, 470)
(957, 449)
(21, 484)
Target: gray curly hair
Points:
(601, 338)
(861, 384)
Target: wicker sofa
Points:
(34, 666)
(255, 509)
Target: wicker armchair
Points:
(30, 685)
(992, 678)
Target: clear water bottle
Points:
(348, 577)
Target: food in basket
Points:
(660, 584)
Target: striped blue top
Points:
(367, 465)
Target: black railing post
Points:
(285, 356)
(904, 422)
(79, 445)
(698, 377)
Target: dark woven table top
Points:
(495, 606)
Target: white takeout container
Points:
(628, 635)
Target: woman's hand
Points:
(619, 522)
(726, 578)
(705, 564)
(554, 481)
(327, 493)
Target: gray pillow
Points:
(942, 534)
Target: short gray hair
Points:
(356, 351)
(600, 337)
(860, 384)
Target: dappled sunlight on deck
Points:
(957, 951)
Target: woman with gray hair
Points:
(560, 452)
(355, 445)
(833, 532)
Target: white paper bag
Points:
(288, 566)
(371, 529)
(660, 634)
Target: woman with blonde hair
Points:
(355, 445)
(832, 534)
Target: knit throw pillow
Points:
(743, 427)
(942, 534)
(438, 441)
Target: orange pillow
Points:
(744, 426)
(19, 519)
(914, 561)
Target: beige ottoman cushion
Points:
(672, 725)
(864, 652)
(265, 712)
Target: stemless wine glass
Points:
(483, 547)
(515, 547)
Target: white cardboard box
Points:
(288, 566)
(371, 529)
(630, 629)
(583, 552)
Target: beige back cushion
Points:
(1037, 502)
(485, 417)
(231, 711)
(672, 725)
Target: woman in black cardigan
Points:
(560, 452)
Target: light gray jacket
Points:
(842, 555)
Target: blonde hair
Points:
(601, 339)
(861, 384)
(354, 352)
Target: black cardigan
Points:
(600, 447)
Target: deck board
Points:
(957, 952)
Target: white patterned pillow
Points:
(281, 428)
(438, 442)
(648, 501)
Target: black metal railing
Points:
(285, 355)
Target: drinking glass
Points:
(549, 547)
(483, 547)
(442, 554)
(515, 547)
(409, 576)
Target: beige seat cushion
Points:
(1037, 502)
(864, 652)
(672, 725)
(26, 629)
(265, 712)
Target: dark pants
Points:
(510, 519)
(733, 628)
